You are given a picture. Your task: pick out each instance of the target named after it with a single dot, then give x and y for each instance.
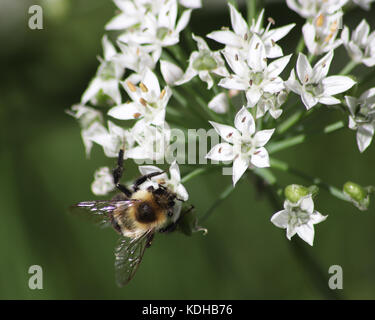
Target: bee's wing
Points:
(129, 254)
(99, 212)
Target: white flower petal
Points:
(244, 122)
(228, 133)
(262, 137)
(306, 233)
(219, 103)
(126, 111)
(233, 83)
(240, 165)
(221, 152)
(308, 99)
(171, 72)
(226, 37)
(303, 68)
(260, 158)
(336, 84)
(277, 66)
(239, 24)
(280, 219)
(364, 136)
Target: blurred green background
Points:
(44, 170)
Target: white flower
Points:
(159, 30)
(298, 218)
(311, 8)
(112, 140)
(253, 75)
(107, 77)
(152, 141)
(170, 72)
(149, 103)
(103, 182)
(362, 117)
(244, 146)
(271, 103)
(132, 13)
(88, 118)
(320, 34)
(202, 63)
(361, 47)
(134, 57)
(313, 85)
(219, 103)
(173, 183)
(241, 35)
(364, 4)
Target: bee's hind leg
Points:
(117, 174)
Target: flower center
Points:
(314, 88)
(298, 217)
(204, 62)
(161, 33)
(256, 78)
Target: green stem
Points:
(225, 194)
(348, 68)
(300, 45)
(290, 122)
(251, 9)
(234, 3)
(300, 138)
(194, 173)
(283, 166)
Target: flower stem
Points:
(348, 68)
(283, 166)
(300, 138)
(234, 3)
(251, 8)
(193, 174)
(225, 194)
(300, 45)
(290, 122)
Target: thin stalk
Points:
(300, 138)
(224, 195)
(283, 166)
(300, 45)
(251, 6)
(195, 173)
(348, 68)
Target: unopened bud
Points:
(294, 192)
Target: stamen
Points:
(131, 86)
(136, 115)
(143, 87)
(162, 94)
(143, 102)
(320, 20)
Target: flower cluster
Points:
(146, 86)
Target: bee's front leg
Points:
(117, 174)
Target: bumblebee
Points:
(136, 214)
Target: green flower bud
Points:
(358, 195)
(204, 62)
(294, 192)
(354, 191)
